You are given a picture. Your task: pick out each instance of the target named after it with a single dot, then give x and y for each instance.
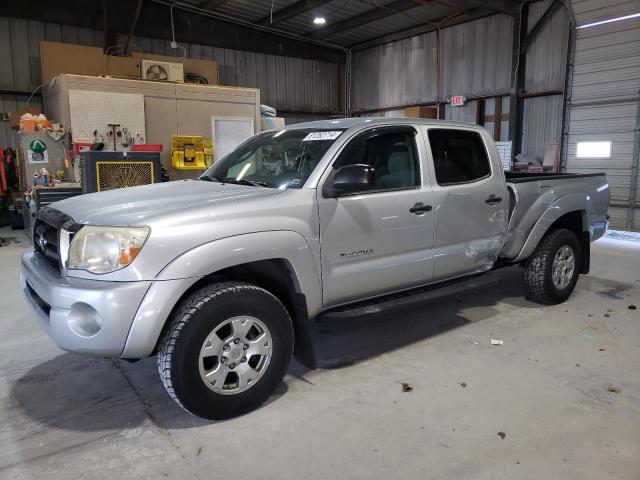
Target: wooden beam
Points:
(291, 11)
(369, 16)
(497, 122)
(542, 21)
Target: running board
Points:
(417, 296)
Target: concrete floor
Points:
(67, 416)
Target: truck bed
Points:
(537, 199)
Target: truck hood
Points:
(131, 206)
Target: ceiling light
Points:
(610, 20)
(319, 21)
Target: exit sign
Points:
(457, 100)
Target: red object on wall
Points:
(146, 147)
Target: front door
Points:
(378, 241)
(471, 208)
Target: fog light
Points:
(84, 320)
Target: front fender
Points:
(180, 274)
(569, 203)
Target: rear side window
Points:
(459, 156)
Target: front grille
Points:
(46, 235)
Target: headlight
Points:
(105, 249)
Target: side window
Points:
(393, 155)
(459, 156)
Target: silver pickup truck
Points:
(221, 277)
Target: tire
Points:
(538, 276)
(182, 355)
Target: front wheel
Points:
(552, 270)
(226, 350)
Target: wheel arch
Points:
(571, 212)
(281, 262)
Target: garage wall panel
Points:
(605, 101)
(285, 82)
(475, 61)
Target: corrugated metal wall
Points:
(604, 103)
(545, 71)
(476, 61)
(287, 83)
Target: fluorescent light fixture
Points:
(610, 20)
(593, 150)
(319, 20)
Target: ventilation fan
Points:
(161, 71)
(157, 72)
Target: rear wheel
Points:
(552, 270)
(226, 350)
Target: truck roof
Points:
(360, 121)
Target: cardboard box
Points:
(421, 112)
(267, 123)
(57, 58)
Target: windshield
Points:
(280, 159)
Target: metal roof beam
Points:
(544, 19)
(291, 11)
(509, 7)
(369, 16)
(211, 4)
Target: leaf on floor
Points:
(406, 387)
(614, 390)
(502, 435)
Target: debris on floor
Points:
(406, 387)
(602, 349)
(578, 365)
(463, 384)
(496, 342)
(614, 390)
(607, 315)
(502, 435)
(632, 307)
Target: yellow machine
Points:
(190, 152)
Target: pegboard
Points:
(92, 110)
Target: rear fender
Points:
(570, 203)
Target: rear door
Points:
(378, 241)
(469, 200)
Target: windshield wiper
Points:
(242, 181)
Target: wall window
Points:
(459, 156)
(593, 150)
(393, 155)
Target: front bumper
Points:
(86, 316)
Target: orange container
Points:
(28, 125)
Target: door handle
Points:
(493, 199)
(420, 208)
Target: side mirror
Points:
(351, 179)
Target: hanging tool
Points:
(114, 133)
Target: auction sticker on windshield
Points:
(322, 136)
